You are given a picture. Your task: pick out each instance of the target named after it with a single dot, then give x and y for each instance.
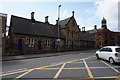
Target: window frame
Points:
(47, 43)
(31, 42)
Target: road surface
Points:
(82, 66)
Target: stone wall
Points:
(3, 34)
(26, 49)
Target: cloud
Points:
(79, 21)
(109, 10)
(65, 14)
(54, 16)
(88, 11)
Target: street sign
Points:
(58, 40)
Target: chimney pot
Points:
(32, 15)
(46, 19)
(95, 27)
(83, 29)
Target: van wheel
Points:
(111, 60)
(97, 56)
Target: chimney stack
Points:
(95, 27)
(83, 29)
(46, 19)
(32, 15)
(56, 21)
(73, 13)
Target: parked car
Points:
(110, 53)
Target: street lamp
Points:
(58, 40)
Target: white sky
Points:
(86, 14)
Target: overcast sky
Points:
(87, 12)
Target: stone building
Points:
(3, 20)
(103, 36)
(74, 37)
(31, 36)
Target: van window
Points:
(117, 49)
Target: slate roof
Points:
(25, 26)
(94, 30)
(63, 23)
(86, 36)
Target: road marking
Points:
(98, 67)
(110, 66)
(56, 76)
(14, 71)
(32, 70)
(118, 78)
(89, 57)
(49, 68)
(44, 66)
(76, 68)
(89, 72)
(65, 68)
(106, 77)
(29, 69)
(74, 62)
(24, 74)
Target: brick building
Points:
(31, 36)
(103, 36)
(3, 20)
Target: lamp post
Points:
(58, 40)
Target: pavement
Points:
(20, 57)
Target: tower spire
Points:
(104, 23)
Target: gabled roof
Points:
(63, 23)
(25, 26)
(86, 36)
(94, 30)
